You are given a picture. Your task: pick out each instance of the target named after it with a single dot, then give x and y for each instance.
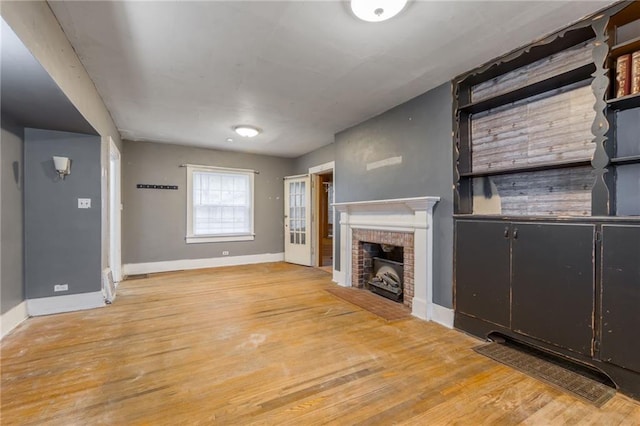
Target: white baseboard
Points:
(13, 317)
(432, 312)
(178, 265)
(442, 315)
(419, 308)
(66, 303)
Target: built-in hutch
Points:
(547, 197)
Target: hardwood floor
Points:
(264, 344)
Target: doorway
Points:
(324, 223)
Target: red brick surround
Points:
(358, 256)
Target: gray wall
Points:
(420, 132)
(154, 221)
(320, 156)
(12, 240)
(62, 242)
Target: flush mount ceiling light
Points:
(377, 10)
(246, 131)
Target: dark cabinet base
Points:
(626, 381)
(552, 284)
(620, 296)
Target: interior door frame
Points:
(316, 246)
(115, 212)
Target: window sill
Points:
(220, 239)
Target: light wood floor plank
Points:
(264, 344)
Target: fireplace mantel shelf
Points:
(401, 205)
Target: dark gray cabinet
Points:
(536, 279)
(482, 270)
(553, 283)
(570, 287)
(621, 296)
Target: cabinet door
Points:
(621, 296)
(553, 283)
(482, 270)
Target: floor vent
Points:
(578, 381)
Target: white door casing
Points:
(314, 171)
(115, 206)
(297, 220)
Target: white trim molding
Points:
(339, 278)
(397, 215)
(66, 303)
(178, 265)
(443, 316)
(13, 317)
(220, 239)
(322, 168)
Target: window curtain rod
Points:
(229, 169)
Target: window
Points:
(219, 204)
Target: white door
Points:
(297, 220)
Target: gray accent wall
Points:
(154, 220)
(63, 243)
(419, 131)
(11, 215)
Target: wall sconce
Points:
(63, 166)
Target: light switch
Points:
(84, 203)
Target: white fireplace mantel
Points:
(401, 215)
(396, 205)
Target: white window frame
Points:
(218, 238)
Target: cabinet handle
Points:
(506, 232)
(515, 234)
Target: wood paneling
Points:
(549, 129)
(263, 344)
(558, 192)
(550, 66)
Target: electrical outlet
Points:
(61, 287)
(84, 203)
(225, 253)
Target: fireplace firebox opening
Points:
(387, 279)
(383, 270)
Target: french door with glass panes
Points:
(297, 220)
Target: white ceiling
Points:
(187, 72)
(29, 94)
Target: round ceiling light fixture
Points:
(246, 131)
(377, 10)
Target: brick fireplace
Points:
(405, 222)
(361, 263)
